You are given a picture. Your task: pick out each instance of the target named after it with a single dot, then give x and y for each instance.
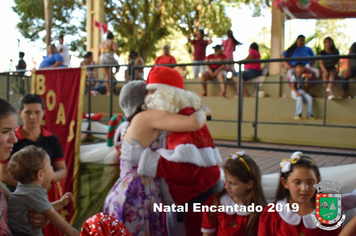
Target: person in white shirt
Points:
(63, 50)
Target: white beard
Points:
(171, 100)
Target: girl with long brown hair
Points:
(242, 189)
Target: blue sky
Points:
(244, 32)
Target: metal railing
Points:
(239, 120)
(256, 122)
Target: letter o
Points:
(51, 100)
(259, 208)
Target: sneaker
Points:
(311, 117)
(331, 97)
(345, 95)
(329, 94)
(342, 97)
(298, 117)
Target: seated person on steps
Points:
(350, 71)
(298, 49)
(215, 71)
(298, 92)
(252, 70)
(166, 58)
(329, 68)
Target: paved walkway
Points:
(268, 161)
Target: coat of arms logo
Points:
(303, 4)
(328, 214)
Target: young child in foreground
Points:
(31, 167)
(242, 188)
(299, 173)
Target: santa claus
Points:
(188, 165)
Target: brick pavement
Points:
(268, 161)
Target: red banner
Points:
(62, 91)
(317, 9)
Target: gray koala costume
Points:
(132, 97)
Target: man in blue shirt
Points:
(53, 58)
(303, 51)
(298, 49)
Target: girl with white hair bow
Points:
(295, 204)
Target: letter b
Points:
(40, 84)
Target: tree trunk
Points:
(48, 20)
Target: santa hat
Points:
(162, 76)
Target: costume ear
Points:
(249, 184)
(284, 182)
(40, 175)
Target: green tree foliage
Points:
(138, 24)
(31, 14)
(209, 15)
(141, 24)
(335, 29)
(206, 14)
(264, 42)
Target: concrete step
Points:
(286, 134)
(270, 90)
(283, 109)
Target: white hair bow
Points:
(236, 155)
(287, 163)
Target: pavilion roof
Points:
(317, 9)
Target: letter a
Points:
(61, 115)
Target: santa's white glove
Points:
(131, 151)
(200, 117)
(207, 110)
(348, 201)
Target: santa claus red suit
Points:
(189, 164)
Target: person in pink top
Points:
(166, 58)
(252, 70)
(199, 50)
(215, 71)
(229, 47)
